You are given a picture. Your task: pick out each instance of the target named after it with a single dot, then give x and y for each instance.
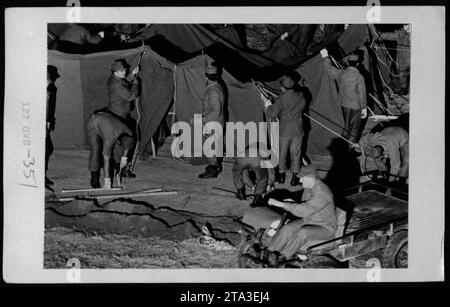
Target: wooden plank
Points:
(89, 190)
(131, 194)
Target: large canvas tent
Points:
(179, 76)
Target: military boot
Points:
(210, 172)
(95, 180)
(257, 201)
(240, 194)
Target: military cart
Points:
(375, 218)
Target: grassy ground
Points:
(122, 251)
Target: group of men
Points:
(110, 130)
(112, 138)
(315, 214)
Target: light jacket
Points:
(352, 89)
(391, 139)
(213, 104)
(317, 207)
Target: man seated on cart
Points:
(316, 218)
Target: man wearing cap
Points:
(52, 75)
(289, 108)
(264, 176)
(389, 149)
(351, 96)
(213, 111)
(316, 213)
(122, 89)
(108, 137)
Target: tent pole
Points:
(137, 149)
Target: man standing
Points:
(390, 150)
(263, 176)
(316, 213)
(108, 137)
(351, 96)
(52, 75)
(213, 111)
(122, 89)
(289, 108)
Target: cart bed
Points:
(374, 208)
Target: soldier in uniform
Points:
(123, 89)
(109, 139)
(289, 108)
(351, 96)
(213, 111)
(390, 150)
(316, 217)
(264, 176)
(52, 75)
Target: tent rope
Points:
(335, 133)
(316, 121)
(379, 36)
(391, 48)
(390, 90)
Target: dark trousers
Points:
(96, 148)
(292, 236)
(292, 146)
(246, 163)
(352, 124)
(128, 120)
(48, 149)
(214, 160)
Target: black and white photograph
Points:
(249, 147)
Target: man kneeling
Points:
(316, 212)
(108, 136)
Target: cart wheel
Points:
(321, 262)
(395, 254)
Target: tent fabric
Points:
(180, 42)
(82, 89)
(230, 34)
(243, 102)
(69, 114)
(161, 79)
(324, 105)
